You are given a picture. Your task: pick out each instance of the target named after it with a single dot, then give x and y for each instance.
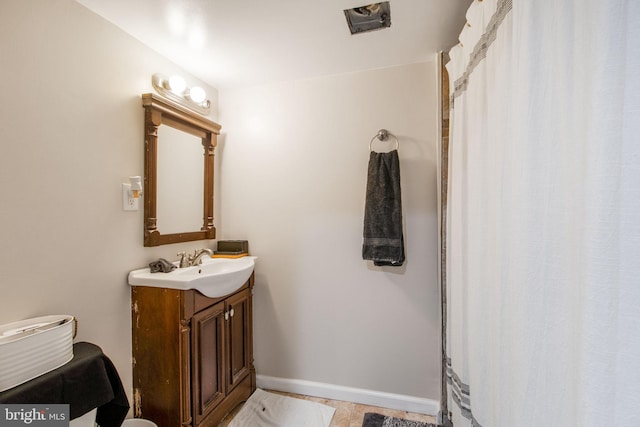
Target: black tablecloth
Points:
(88, 381)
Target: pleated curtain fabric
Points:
(543, 221)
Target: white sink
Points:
(216, 277)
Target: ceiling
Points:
(230, 43)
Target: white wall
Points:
(71, 131)
(293, 175)
(293, 165)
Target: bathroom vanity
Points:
(192, 354)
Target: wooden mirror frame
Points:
(159, 111)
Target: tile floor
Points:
(348, 414)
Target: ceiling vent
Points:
(368, 18)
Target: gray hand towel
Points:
(161, 265)
(383, 241)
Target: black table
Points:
(88, 381)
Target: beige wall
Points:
(292, 177)
(293, 165)
(71, 126)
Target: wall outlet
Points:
(128, 203)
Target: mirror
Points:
(178, 173)
(180, 183)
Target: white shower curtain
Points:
(543, 226)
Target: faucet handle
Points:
(184, 262)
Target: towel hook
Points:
(383, 135)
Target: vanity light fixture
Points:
(131, 193)
(175, 89)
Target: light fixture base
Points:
(158, 82)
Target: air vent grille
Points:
(368, 18)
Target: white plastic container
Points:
(32, 347)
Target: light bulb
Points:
(197, 94)
(177, 84)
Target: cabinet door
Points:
(209, 348)
(239, 351)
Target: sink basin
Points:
(216, 277)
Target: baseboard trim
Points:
(350, 394)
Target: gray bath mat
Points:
(371, 419)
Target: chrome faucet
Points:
(193, 259)
(196, 258)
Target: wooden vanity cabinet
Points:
(192, 355)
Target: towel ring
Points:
(383, 135)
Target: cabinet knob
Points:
(231, 312)
(226, 315)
